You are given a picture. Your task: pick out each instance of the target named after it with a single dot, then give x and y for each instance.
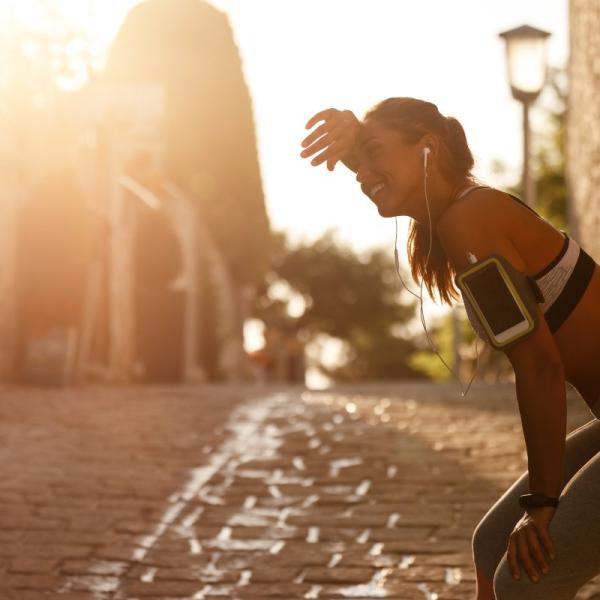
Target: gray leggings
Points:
(575, 527)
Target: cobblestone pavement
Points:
(253, 492)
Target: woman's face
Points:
(390, 172)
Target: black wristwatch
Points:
(537, 500)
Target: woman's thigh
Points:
(575, 530)
(490, 538)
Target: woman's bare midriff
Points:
(578, 338)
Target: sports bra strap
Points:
(469, 190)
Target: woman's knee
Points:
(490, 537)
(506, 587)
(485, 547)
(561, 583)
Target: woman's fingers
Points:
(326, 140)
(511, 557)
(525, 557)
(316, 134)
(334, 127)
(339, 151)
(336, 136)
(321, 116)
(317, 160)
(536, 549)
(544, 535)
(333, 136)
(336, 148)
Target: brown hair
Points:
(414, 118)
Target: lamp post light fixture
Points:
(526, 66)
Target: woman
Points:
(544, 552)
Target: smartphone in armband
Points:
(503, 298)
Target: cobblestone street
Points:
(253, 492)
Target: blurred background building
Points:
(134, 256)
(583, 123)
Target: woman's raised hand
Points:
(337, 134)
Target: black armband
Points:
(504, 299)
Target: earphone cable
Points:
(422, 315)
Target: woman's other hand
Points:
(527, 541)
(337, 134)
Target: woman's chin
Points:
(386, 211)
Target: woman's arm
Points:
(541, 395)
(474, 226)
(351, 161)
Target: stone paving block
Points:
(162, 589)
(30, 581)
(31, 564)
(86, 583)
(49, 551)
(115, 553)
(271, 574)
(268, 590)
(338, 575)
(195, 574)
(93, 567)
(168, 559)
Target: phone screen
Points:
(494, 299)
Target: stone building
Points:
(583, 124)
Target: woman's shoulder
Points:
(481, 208)
(488, 215)
(488, 206)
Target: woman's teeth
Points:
(377, 189)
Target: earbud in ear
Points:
(426, 152)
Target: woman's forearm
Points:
(351, 161)
(543, 406)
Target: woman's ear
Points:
(431, 142)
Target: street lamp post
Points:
(526, 66)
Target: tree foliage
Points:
(353, 298)
(550, 157)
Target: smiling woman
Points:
(385, 151)
(411, 160)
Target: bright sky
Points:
(300, 56)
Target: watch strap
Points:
(537, 500)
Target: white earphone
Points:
(426, 152)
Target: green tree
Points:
(353, 298)
(549, 157)
(38, 60)
(493, 364)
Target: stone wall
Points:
(583, 124)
